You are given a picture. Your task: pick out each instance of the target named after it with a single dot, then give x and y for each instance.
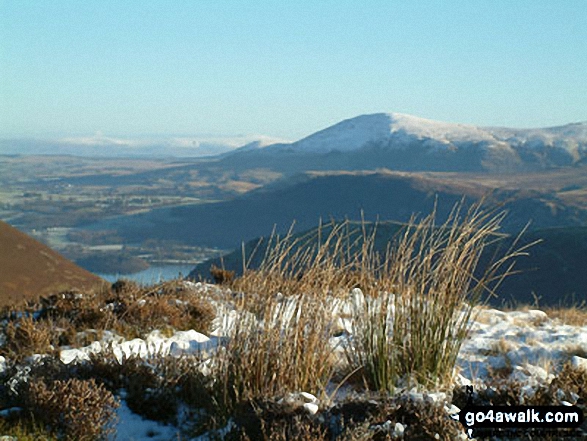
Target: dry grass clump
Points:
(163, 312)
(416, 310)
(573, 316)
(221, 276)
(286, 349)
(572, 379)
(331, 261)
(83, 311)
(24, 431)
(165, 306)
(25, 337)
(417, 331)
(75, 409)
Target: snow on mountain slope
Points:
(576, 131)
(426, 128)
(571, 138)
(400, 130)
(350, 134)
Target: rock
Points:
(311, 408)
(299, 399)
(309, 397)
(452, 409)
(579, 362)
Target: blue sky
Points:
(286, 69)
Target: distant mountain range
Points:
(30, 269)
(393, 140)
(101, 146)
(405, 142)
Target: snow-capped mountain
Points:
(403, 141)
(352, 134)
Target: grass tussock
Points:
(573, 316)
(414, 330)
(285, 349)
(25, 337)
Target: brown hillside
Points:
(29, 269)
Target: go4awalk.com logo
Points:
(478, 420)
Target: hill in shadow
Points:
(552, 273)
(308, 197)
(30, 269)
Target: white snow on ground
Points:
(533, 343)
(182, 342)
(530, 339)
(132, 427)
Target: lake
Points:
(153, 274)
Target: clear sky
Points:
(286, 69)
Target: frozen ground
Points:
(528, 344)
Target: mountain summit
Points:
(407, 142)
(354, 133)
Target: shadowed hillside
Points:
(552, 272)
(29, 269)
(307, 198)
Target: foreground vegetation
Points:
(295, 341)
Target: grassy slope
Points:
(29, 269)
